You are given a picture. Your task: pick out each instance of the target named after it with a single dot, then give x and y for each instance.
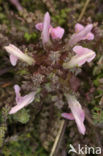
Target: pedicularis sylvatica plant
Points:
(60, 59)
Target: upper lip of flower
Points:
(45, 31)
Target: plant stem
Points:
(83, 10)
(57, 140)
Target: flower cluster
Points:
(14, 55)
(83, 55)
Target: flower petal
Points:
(91, 58)
(39, 26)
(17, 92)
(78, 50)
(57, 33)
(90, 36)
(81, 62)
(68, 116)
(78, 27)
(13, 59)
(45, 31)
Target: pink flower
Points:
(56, 33)
(16, 4)
(82, 33)
(16, 54)
(21, 101)
(80, 27)
(82, 56)
(77, 113)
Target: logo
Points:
(85, 150)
